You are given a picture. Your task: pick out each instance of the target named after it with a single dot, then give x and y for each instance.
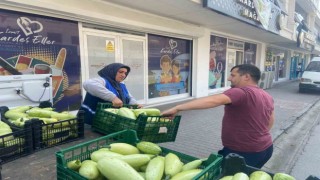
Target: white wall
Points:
(103, 13)
(201, 64)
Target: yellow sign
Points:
(110, 46)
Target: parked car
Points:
(310, 79)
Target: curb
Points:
(291, 142)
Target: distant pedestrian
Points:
(248, 116)
(298, 70)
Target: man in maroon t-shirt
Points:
(248, 116)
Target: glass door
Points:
(239, 57)
(133, 55)
(231, 63)
(100, 51)
(103, 47)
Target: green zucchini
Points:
(173, 165)
(126, 112)
(135, 160)
(124, 148)
(192, 165)
(240, 176)
(116, 169)
(89, 169)
(149, 147)
(186, 175)
(155, 168)
(260, 175)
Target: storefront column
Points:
(289, 67)
(261, 56)
(201, 65)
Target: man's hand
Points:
(170, 112)
(117, 102)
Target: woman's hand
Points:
(117, 102)
(139, 106)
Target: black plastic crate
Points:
(149, 128)
(53, 134)
(234, 163)
(17, 144)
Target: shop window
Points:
(169, 65)
(217, 63)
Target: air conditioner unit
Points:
(264, 80)
(270, 79)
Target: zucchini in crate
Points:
(13, 115)
(155, 168)
(89, 169)
(126, 112)
(117, 169)
(131, 166)
(5, 129)
(173, 165)
(38, 112)
(124, 148)
(149, 147)
(189, 174)
(135, 160)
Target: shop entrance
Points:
(103, 47)
(235, 57)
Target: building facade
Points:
(177, 50)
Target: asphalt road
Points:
(199, 136)
(307, 159)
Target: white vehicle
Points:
(310, 79)
(21, 90)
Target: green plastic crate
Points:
(211, 167)
(148, 128)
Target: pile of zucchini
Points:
(121, 161)
(19, 115)
(258, 175)
(134, 113)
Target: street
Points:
(294, 133)
(307, 159)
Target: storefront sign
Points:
(263, 9)
(248, 10)
(261, 13)
(232, 44)
(34, 44)
(169, 65)
(309, 38)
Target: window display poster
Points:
(32, 44)
(169, 64)
(250, 51)
(217, 62)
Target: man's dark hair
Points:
(252, 70)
